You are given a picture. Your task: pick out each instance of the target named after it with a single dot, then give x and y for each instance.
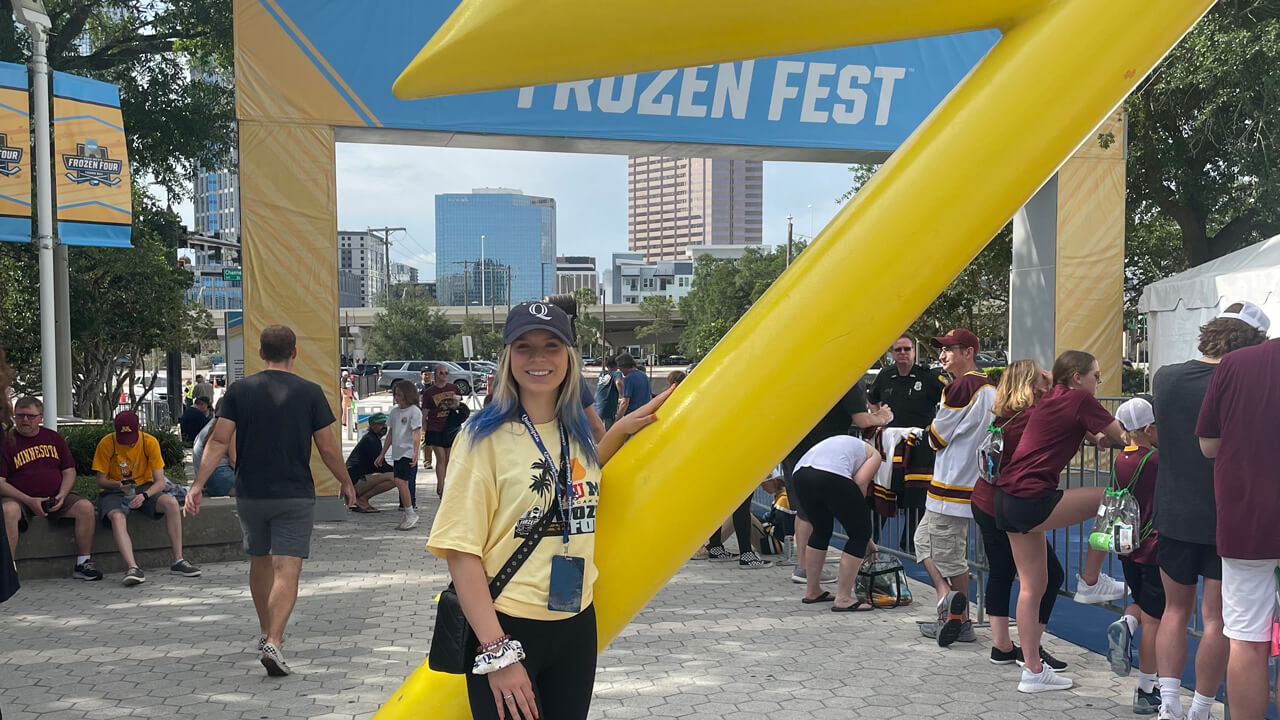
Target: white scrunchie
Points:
(508, 653)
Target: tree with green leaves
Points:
(410, 330)
(1202, 143)
(485, 343)
(723, 290)
(659, 309)
(586, 324)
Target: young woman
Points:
(835, 478)
(1028, 502)
(1023, 383)
(400, 446)
(530, 448)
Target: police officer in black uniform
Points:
(913, 392)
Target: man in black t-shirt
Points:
(850, 411)
(278, 416)
(1186, 515)
(913, 392)
(369, 479)
(194, 419)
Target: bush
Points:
(83, 441)
(994, 373)
(1133, 381)
(87, 487)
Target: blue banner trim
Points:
(93, 234)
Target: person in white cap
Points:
(1237, 427)
(1135, 470)
(1187, 521)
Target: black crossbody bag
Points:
(453, 643)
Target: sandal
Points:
(358, 509)
(859, 606)
(824, 597)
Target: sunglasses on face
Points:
(26, 416)
(902, 349)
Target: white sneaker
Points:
(1105, 590)
(1167, 713)
(409, 520)
(799, 577)
(1043, 681)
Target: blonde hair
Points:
(1017, 389)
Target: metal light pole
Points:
(31, 13)
(788, 240)
(484, 298)
(604, 324)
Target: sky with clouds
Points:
(395, 186)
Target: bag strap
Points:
(1136, 474)
(993, 427)
(523, 552)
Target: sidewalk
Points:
(717, 642)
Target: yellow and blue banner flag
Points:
(15, 155)
(95, 204)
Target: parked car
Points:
(411, 370)
(669, 360)
(364, 369)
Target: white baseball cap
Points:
(1251, 315)
(1135, 414)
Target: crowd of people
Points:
(918, 442)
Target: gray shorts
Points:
(276, 526)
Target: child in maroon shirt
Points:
(1135, 469)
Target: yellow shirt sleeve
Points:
(470, 500)
(155, 460)
(102, 456)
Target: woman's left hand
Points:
(634, 422)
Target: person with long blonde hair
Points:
(527, 466)
(1021, 385)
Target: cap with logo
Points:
(127, 432)
(959, 336)
(378, 417)
(1135, 414)
(529, 316)
(1251, 315)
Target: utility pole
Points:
(484, 297)
(788, 240)
(604, 324)
(386, 248)
(466, 283)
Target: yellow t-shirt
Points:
(133, 462)
(497, 488)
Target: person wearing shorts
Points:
(1236, 427)
(362, 465)
(275, 417)
(942, 538)
(400, 448)
(1135, 470)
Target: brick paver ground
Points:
(717, 642)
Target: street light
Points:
(31, 13)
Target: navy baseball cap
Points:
(537, 316)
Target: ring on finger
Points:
(508, 697)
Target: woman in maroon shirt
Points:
(1023, 383)
(1028, 502)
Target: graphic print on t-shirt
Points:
(586, 495)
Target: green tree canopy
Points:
(412, 329)
(486, 343)
(723, 290)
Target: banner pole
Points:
(44, 223)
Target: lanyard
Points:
(561, 474)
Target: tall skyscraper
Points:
(362, 253)
(217, 203)
(519, 247)
(676, 202)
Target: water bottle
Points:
(129, 488)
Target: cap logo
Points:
(539, 311)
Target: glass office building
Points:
(519, 247)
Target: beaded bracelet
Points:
(507, 654)
(486, 647)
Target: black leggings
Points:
(561, 662)
(829, 497)
(741, 528)
(1002, 569)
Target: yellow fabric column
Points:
(1053, 77)
(289, 247)
(1090, 257)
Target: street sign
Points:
(466, 347)
(232, 274)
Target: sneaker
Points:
(1043, 681)
(951, 612)
(134, 576)
(185, 569)
(262, 642)
(1000, 657)
(799, 577)
(1105, 590)
(1146, 703)
(1166, 712)
(929, 630)
(751, 561)
(86, 571)
(273, 660)
(1051, 661)
(719, 554)
(966, 633)
(407, 522)
(1120, 648)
